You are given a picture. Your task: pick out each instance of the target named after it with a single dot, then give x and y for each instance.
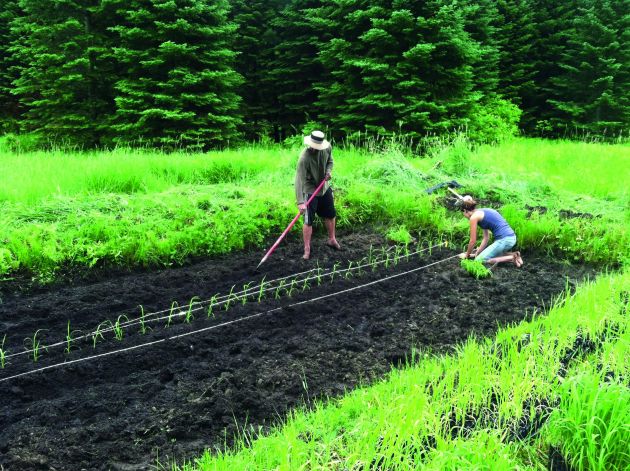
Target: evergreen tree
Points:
(61, 81)
(179, 85)
(296, 65)
(9, 109)
(481, 21)
(398, 65)
(592, 90)
(255, 41)
(515, 36)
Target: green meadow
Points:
(70, 212)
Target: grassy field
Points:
(73, 212)
(559, 383)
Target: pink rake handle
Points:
(273, 247)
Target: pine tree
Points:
(179, 86)
(592, 91)
(61, 81)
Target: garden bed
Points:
(176, 397)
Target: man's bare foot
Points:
(333, 244)
(306, 256)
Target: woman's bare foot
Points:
(307, 255)
(518, 261)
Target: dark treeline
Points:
(204, 73)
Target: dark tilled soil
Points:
(177, 397)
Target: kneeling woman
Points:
(490, 221)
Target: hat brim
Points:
(316, 145)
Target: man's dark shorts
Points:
(323, 206)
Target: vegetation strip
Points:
(557, 384)
(205, 329)
(145, 318)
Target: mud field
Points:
(174, 398)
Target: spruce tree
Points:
(515, 35)
(398, 66)
(61, 82)
(179, 85)
(296, 65)
(9, 108)
(592, 91)
(255, 40)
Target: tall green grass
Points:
(502, 403)
(585, 169)
(131, 208)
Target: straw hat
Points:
(316, 141)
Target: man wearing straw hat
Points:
(314, 166)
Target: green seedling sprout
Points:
(213, 301)
(36, 346)
(334, 271)
(349, 271)
(69, 340)
(170, 314)
(143, 327)
(229, 299)
(305, 285)
(280, 286)
(118, 330)
(98, 334)
(291, 287)
(3, 352)
(189, 314)
(245, 295)
(371, 255)
(261, 290)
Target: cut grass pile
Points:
(73, 212)
(556, 385)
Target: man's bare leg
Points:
(307, 233)
(330, 227)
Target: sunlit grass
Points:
(489, 406)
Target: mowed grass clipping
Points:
(76, 212)
(558, 385)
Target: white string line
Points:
(235, 321)
(149, 318)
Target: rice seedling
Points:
(98, 333)
(349, 270)
(334, 271)
(117, 328)
(245, 295)
(69, 339)
(231, 298)
(170, 314)
(143, 327)
(3, 352)
(213, 301)
(292, 287)
(279, 289)
(261, 290)
(476, 268)
(189, 312)
(36, 346)
(305, 285)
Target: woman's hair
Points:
(468, 204)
